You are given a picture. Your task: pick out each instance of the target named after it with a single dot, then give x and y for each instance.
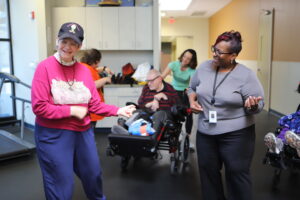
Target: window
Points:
(4, 30)
(7, 105)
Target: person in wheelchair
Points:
(287, 134)
(154, 104)
(155, 125)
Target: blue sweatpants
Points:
(63, 152)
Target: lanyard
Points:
(212, 101)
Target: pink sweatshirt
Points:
(52, 95)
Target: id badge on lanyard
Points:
(212, 113)
(212, 116)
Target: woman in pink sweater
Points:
(63, 95)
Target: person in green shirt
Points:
(182, 71)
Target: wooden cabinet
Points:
(62, 15)
(143, 28)
(127, 28)
(93, 30)
(109, 28)
(118, 95)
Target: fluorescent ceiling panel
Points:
(174, 4)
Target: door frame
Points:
(264, 64)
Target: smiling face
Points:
(186, 59)
(222, 57)
(67, 49)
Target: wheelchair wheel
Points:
(186, 148)
(183, 153)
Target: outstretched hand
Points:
(126, 111)
(252, 102)
(196, 107)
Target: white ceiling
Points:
(199, 8)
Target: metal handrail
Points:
(11, 78)
(23, 113)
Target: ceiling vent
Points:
(198, 13)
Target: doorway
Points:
(264, 62)
(172, 47)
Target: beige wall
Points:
(197, 28)
(243, 16)
(183, 43)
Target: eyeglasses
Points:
(151, 80)
(218, 52)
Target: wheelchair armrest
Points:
(180, 111)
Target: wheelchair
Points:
(286, 159)
(169, 137)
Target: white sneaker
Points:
(192, 147)
(275, 145)
(293, 140)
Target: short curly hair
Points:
(235, 39)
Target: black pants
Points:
(189, 119)
(235, 151)
(159, 117)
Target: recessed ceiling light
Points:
(174, 4)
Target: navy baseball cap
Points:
(71, 30)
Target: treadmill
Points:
(12, 146)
